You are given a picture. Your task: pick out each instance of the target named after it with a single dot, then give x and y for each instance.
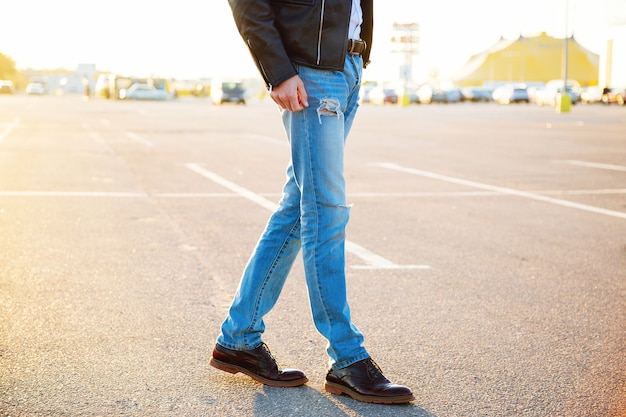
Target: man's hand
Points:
(290, 94)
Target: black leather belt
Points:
(356, 46)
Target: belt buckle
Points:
(355, 47)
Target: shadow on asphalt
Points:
(308, 401)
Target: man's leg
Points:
(239, 346)
(317, 135)
(265, 273)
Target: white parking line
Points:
(502, 190)
(255, 198)
(593, 165)
(72, 194)
(5, 133)
(584, 192)
(194, 195)
(372, 260)
(455, 194)
(139, 139)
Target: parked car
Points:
(413, 97)
(591, 95)
(225, 91)
(548, 96)
(476, 94)
(36, 89)
(434, 94)
(143, 91)
(507, 94)
(366, 88)
(614, 95)
(6, 87)
(383, 95)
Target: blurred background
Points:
(470, 47)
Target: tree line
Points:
(9, 71)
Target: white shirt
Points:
(356, 18)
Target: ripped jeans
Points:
(312, 215)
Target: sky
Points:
(190, 39)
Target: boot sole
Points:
(340, 389)
(233, 369)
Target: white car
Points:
(36, 89)
(7, 87)
(507, 94)
(591, 95)
(143, 91)
(549, 96)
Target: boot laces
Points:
(269, 354)
(374, 370)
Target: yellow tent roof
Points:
(537, 59)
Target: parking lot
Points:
(486, 259)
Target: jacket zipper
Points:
(319, 36)
(260, 63)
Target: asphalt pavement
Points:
(486, 258)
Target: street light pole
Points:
(564, 101)
(566, 54)
(405, 37)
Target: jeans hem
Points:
(352, 361)
(237, 347)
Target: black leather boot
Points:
(258, 364)
(364, 381)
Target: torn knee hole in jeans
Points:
(329, 107)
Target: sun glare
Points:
(199, 38)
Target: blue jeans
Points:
(312, 215)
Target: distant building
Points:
(530, 60)
(65, 81)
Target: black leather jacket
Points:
(312, 33)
